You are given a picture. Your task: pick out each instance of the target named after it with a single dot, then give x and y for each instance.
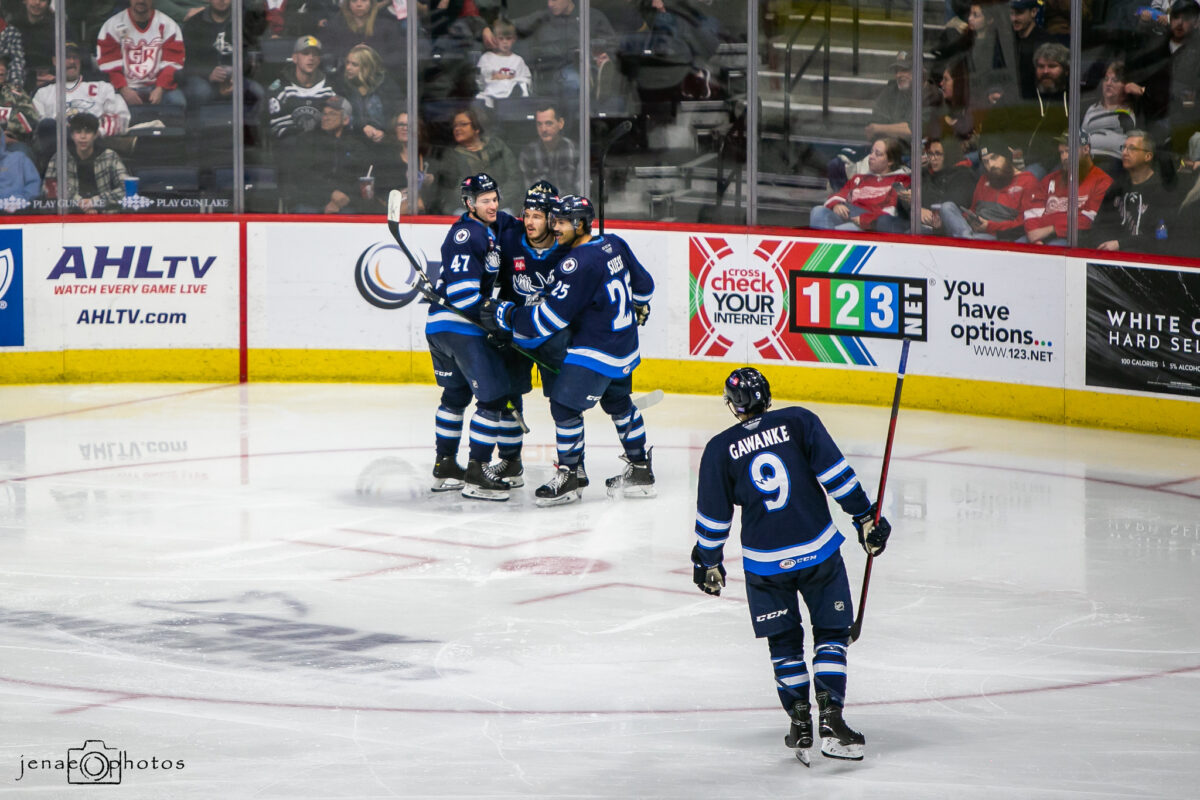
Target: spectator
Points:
(1166, 77)
(391, 171)
(18, 116)
(95, 175)
(955, 121)
(97, 98)
(940, 182)
(988, 75)
(359, 22)
(209, 73)
(296, 97)
(1110, 119)
(1029, 128)
(550, 39)
(502, 72)
(141, 49)
(30, 45)
(892, 112)
(1046, 213)
(868, 200)
(553, 157)
(474, 153)
(1019, 48)
(19, 179)
(374, 97)
(1139, 211)
(321, 174)
(1000, 196)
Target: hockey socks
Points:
(829, 670)
(485, 431)
(448, 425)
(568, 434)
(631, 431)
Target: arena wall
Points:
(1055, 336)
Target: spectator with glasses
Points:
(1139, 213)
(473, 153)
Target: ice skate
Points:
(800, 736)
(447, 474)
(511, 471)
(838, 740)
(636, 481)
(561, 489)
(581, 474)
(482, 483)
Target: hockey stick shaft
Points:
(856, 628)
(393, 221)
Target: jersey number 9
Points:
(771, 478)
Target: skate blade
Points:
(515, 482)
(632, 491)
(569, 497)
(831, 748)
(447, 485)
(802, 757)
(479, 493)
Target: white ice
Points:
(255, 581)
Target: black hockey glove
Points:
(872, 536)
(641, 312)
(495, 316)
(711, 580)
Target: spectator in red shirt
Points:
(1046, 214)
(1000, 196)
(868, 200)
(141, 49)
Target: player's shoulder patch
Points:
(568, 266)
(461, 235)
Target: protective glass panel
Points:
(668, 101)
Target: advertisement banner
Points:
(12, 291)
(996, 317)
(1143, 329)
(339, 286)
(133, 286)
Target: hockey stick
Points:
(395, 200)
(648, 399)
(622, 129)
(856, 628)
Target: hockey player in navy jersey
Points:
(778, 466)
(529, 254)
(601, 293)
(465, 365)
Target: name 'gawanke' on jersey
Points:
(778, 467)
(758, 441)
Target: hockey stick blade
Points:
(395, 202)
(856, 628)
(649, 399)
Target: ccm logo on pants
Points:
(772, 615)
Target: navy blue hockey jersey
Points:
(525, 271)
(594, 290)
(777, 467)
(470, 262)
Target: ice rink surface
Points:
(253, 586)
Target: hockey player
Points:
(529, 254)
(778, 466)
(464, 363)
(601, 293)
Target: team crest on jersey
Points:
(568, 266)
(461, 235)
(519, 264)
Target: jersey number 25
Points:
(619, 293)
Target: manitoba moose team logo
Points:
(386, 279)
